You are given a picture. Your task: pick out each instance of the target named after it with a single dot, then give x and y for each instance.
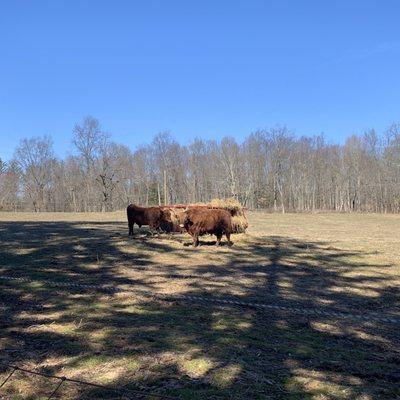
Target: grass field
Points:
(192, 349)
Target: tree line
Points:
(272, 169)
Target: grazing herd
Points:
(196, 221)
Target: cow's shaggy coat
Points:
(200, 221)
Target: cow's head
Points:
(183, 217)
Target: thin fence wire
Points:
(53, 393)
(126, 393)
(8, 377)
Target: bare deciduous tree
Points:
(35, 157)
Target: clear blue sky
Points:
(197, 68)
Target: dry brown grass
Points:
(203, 351)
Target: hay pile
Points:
(239, 220)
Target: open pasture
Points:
(329, 329)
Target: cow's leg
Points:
(228, 236)
(140, 225)
(154, 230)
(130, 224)
(219, 237)
(195, 240)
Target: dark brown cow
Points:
(150, 216)
(199, 221)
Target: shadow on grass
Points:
(188, 349)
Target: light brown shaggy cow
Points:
(172, 220)
(199, 221)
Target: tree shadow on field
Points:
(187, 348)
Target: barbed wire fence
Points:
(121, 393)
(142, 393)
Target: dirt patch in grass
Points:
(200, 350)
